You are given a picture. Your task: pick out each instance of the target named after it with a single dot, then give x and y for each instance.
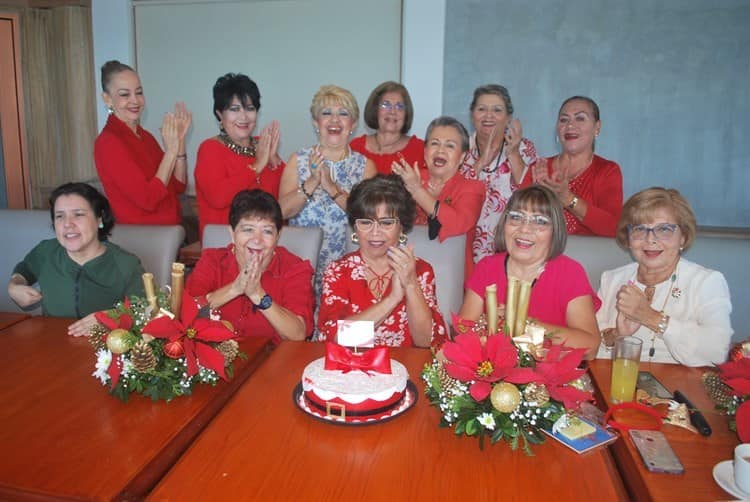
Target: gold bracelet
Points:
(572, 204)
(338, 194)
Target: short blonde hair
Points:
(640, 209)
(334, 95)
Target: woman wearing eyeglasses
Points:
(383, 281)
(679, 309)
(389, 113)
(530, 239)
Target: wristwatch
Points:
(264, 303)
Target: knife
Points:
(696, 417)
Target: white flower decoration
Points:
(103, 360)
(487, 420)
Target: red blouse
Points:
(288, 280)
(600, 185)
(345, 292)
(127, 163)
(220, 174)
(461, 202)
(412, 152)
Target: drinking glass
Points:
(625, 358)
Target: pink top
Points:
(562, 280)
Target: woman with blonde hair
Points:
(316, 181)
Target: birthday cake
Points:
(365, 384)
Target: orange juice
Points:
(624, 376)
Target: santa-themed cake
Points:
(349, 384)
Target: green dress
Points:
(73, 290)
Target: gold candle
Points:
(523, 307)
(148, 287)
(490, 299)
(511, 302)
(178, 284)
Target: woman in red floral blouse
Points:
(383, 281)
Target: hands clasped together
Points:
(251, 267)
(403, 263)
(174, 128)
(267, 149)
(558, 180)
(633, 309)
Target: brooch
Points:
(676, 292)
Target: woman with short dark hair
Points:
(383, 281)
(235, 159)
(678, 308)
(530, 239)
(142, 182)
(389, 112)
(78, 272)
(259, 287)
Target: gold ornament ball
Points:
(118, 341)
(505, 397)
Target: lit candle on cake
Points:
(511, 302)
(148, 287)
(523, 307)
(178, 284)
(490, 298)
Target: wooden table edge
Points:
(144, 482)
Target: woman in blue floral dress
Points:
(316, 181)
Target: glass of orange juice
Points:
(625, 358)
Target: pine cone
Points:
(229, 349)
(142, 357)
(96, 336)
(536, 393)
(447, 382)
(719, 392)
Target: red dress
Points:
(412, 152)
(345, 292)
(220, 174)
(600, 185)
(127, 163)
(461, 202)
(288, 280)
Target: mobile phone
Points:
(649, 383)
(657, 454)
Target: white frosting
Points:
(355, 386)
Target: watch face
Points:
(265, 302)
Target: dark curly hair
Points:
(255, 203)
(368, 194)
(98, 202)
(231, 85)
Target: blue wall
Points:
(672, 79)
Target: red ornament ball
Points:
(174, 349)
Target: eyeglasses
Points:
(535, 221)
(662, 231)
(387, 105)
(367, 224)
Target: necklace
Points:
(387, 145)
(538, 271)
(379, 282)
(487, 168)
(245, 151)
(650, 291)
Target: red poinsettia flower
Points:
(124, 321)
(736, 374)
(470, 360)
(193, 333)
(558, 368)
(742, 421)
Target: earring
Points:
(557, 139)
(221, 128)
(110, 110)
(317, 131)
(101, 225)
(355, 238)
(403, 239)
(681, 248)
